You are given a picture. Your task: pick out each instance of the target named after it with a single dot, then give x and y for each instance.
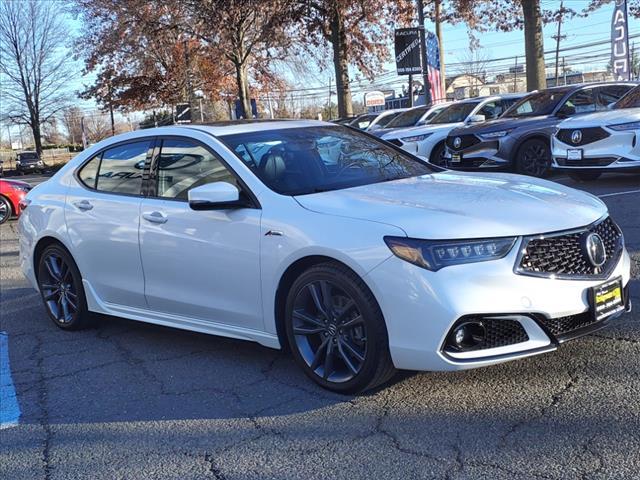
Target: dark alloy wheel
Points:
(61, 288)
(336, 331)
(437, 155)
(5, 210)
(534, 158)
(584, 176)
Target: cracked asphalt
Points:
(133, 401)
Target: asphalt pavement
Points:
(134, 401)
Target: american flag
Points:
(433, 62)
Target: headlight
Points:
(17, 162)
(625, 126)
(436, 254)
(416, 138)
(492, 135)
(20, 188)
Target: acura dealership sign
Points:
(407, 50)
(620, 58)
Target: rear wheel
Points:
(5, 210)
(61, 288)
(584, 176)
(336, 330)
(534, 158)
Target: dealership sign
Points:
(407, 50)
(620, 59)
(374, 99)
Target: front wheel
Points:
(5, 210)
(584, 176)
(336, 330)
(534, 158)
(437, 155)
(61, 288)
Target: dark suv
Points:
(520, 139)
(29, 162)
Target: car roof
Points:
(245, 126)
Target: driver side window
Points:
(183, 165)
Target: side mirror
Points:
(215, 196)
(421, 123)
(477, 118)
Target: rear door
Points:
(199, 264)
(103, 214)
(608, 94)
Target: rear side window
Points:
(582, 101)
(184, 164)
(121, 168)
(89, 173)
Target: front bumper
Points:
(421, 307)
(484, 155)
(620, 151)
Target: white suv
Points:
(589, 145)
(428, 141)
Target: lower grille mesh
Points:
(563, 325)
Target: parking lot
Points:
(136, 401)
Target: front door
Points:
(198, 264)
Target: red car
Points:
(11, 192)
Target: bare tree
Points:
(33, 65)
(71, 121)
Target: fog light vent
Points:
(479, 333)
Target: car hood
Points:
(451, 205)
(15, 182)
(409, 132)
(501, 124)
(606, 117)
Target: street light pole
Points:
(425, 66)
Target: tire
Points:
(584, 176)
(534, 158)
(60, 285)
(349, 326)
(437, 155)
(5, 210)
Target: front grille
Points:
(586, 162)
(395, 141)
(588, 135)
(563, 255)
(466, 141)
(564, 325)
(502, 332)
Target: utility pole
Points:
(438, 13)
(559, 37)
(330, 114)
(425, 65)
(410, 91)
(515, 76)
(564, 71)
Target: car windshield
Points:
(630, 100)
(540, 103)
(386, 119)
(300, 161)
(408, 118)
(28, 156)
(455, 113)
(363, 121)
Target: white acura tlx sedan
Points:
(354, 254)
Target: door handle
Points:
(83, 205)
(155, 217)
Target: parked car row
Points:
(583, 129)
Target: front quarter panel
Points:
(290, 233)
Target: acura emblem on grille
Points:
(576, 136)
(594, 246)
(457, 142)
